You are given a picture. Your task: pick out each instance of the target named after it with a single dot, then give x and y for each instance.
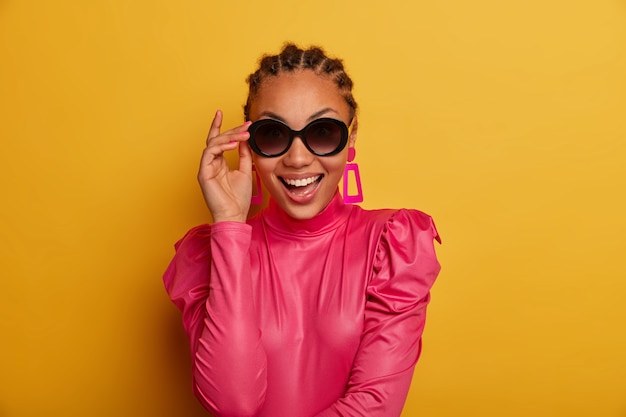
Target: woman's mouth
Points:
(301, 186)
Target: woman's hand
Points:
(227, 193)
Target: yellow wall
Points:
(504, 120)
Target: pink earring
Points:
(358, 198)
(257, 197)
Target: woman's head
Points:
(308, 92)
(291, 59)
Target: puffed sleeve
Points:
(405, 268)
(209, 281)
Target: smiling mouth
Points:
(301, 186)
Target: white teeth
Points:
(302, 182)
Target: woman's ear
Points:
(353, 132)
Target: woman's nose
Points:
(298, 155)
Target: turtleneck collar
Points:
(335, 214)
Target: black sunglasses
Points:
(322, 137)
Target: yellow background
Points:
(505, 120)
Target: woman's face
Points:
(297, 99)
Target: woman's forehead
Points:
(300, 92)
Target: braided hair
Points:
(292, 58)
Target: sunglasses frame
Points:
(299, 133)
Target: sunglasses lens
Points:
(270, 137)
(324, 137)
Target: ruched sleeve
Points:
(209, 281)
(405, 268)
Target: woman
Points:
(313, 307)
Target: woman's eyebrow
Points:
(314, 116)
(321, 113)
(272, 116)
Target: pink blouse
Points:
(302, 318)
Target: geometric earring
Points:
(358, 198)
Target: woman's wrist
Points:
(229, 218)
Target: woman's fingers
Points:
(223, 143)
(245, 158)
(216, 151)
(218, 143)
(216, 125)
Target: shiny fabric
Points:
(302, 318)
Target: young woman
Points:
(313, 307)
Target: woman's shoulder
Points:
(397, 221)
(195, 234)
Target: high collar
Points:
(333, 215)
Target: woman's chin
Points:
(304, 205)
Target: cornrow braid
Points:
(292, 58)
